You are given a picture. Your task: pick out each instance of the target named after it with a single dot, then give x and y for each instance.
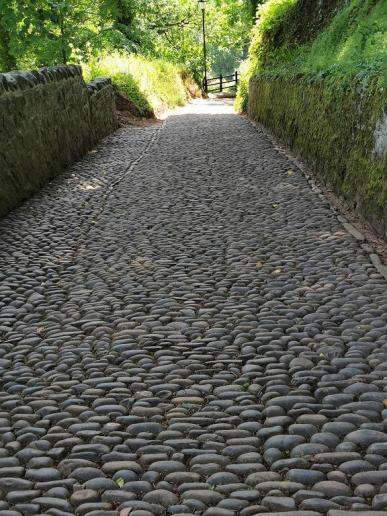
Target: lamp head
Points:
(202, 4)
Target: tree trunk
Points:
(63, 40)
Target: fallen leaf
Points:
(120, 482)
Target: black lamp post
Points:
(202, 5)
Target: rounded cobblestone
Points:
(187, 328)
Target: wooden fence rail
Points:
(221, 83)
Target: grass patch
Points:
(294, 37)
(152, 85)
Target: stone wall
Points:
(338, 127)
(48, 119)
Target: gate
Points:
(221, 83)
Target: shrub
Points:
(152, 85)
(351, 37)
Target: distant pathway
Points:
(187, 329)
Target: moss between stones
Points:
(331, 122)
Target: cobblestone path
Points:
(187, 329)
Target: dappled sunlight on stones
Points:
(337, 235)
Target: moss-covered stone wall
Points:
(48, 119)
(338, 125)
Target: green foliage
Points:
(241, 100)
(45, 32)
(353, 41)
(356, 37)
(129, 87)
(153, 85)
(271, 16)
(169, 30)
(172, 30)
(229, 24)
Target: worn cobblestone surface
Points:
(186, 328)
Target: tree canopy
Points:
(46, 32)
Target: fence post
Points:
(221, 83)
(236, 80)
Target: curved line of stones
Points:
(97, 214)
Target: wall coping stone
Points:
(98, 84)
(19, 80)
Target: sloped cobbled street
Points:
(186, 328)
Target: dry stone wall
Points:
(48, 119)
